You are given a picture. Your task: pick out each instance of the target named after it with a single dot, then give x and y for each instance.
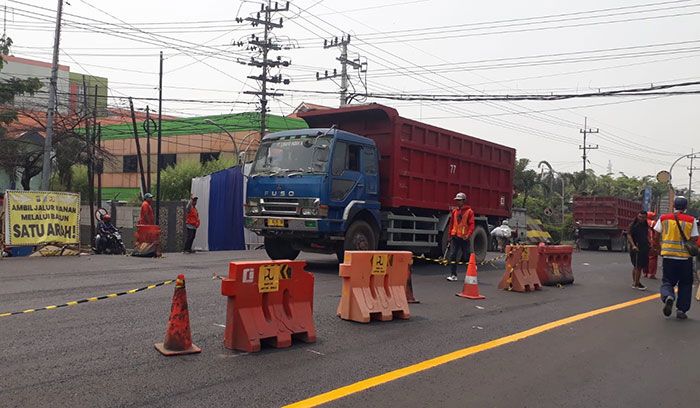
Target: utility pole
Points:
(160, 136)
(264, 45)
(138, 147)
(147, 128)
(586, 131)
(46, 167)
(344, 62)
(690, 176)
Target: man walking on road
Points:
(461, 229)
(677, 264)
(147, 217)
(638, 238)
(191, 224)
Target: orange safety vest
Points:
(193, 217)
(462, 223)
(147, 217)
(671, 241)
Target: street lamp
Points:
(670, 171)
(242, 155)
(235, 146)
(563, 184)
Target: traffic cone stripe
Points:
(470, 280)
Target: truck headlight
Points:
(309, 212)
(252, 207)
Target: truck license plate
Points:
(275, 222)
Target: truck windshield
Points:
(307, 154)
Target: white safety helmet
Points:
(505, 222)
(461, 196)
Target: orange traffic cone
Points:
(409, 288)
(178, 338)
(470, 290)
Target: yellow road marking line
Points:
(456, 355)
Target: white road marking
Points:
(315, 352)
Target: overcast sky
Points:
(414, 46)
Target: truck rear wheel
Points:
(277, 248)
(359, 237)
(480, 243)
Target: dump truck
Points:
(603, 221)
(362, 178)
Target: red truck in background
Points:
(603, 221)
(379, 180)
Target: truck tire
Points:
(359, 237)
(479, 243)
(277, 249)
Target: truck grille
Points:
(280, 206)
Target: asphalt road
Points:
(101, 353)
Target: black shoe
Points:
(668, 306)
(681, 315)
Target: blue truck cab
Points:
(314, 190)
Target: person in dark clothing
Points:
(104, 228)
(638, 238)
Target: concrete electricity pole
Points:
(690, 176)
(344, 62)
(586, 131)
(265, 45)
(46, 168)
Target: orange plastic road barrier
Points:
(470, 290)
(374, 285)
(269, 301)
(554, 264)
(521, 275)
(409, 288)
(178, 338)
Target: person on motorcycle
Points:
(104, 228)
(503, 235)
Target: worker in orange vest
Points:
(147, 217)
(675, 229)
(461, 228)
(191, 224)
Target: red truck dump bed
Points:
(424, 166)
(610, 212)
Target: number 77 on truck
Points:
(362, 178)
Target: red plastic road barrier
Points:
(374, 285)
(178, 338)
(554, 264)
(147, 233)
(147, 240)
(521, 275)
(268, 301)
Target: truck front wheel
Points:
(359, 237)
(277, 248)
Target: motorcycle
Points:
(111, 243)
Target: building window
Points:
(207, 157)
(167, 160)
(130, 164)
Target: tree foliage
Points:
(536, 191)
(177, 180)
